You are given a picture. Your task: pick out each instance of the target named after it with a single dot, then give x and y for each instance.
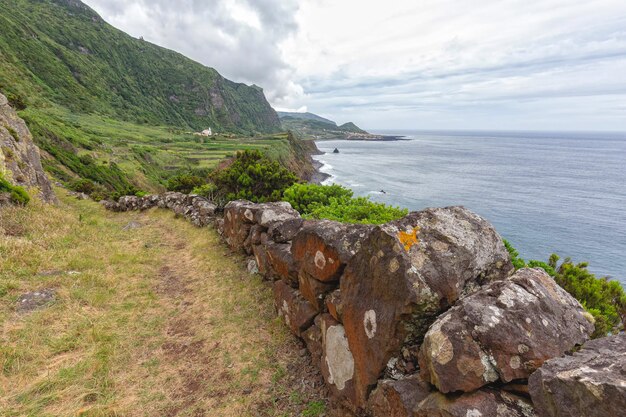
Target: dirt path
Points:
(156, 319)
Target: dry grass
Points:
(159, 320)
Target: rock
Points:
(483, 403)
(238, 221)
(313, 290)
(324, 247)
(313, 339)
(406, 273)
(285, 231)
(282, 263)
(590, 383)
(337, 364)
(399, 398)
(297, 312)
(267, 214)
(132, 225)
(262, 261)
(333, 304)
(20, 161)
(252, 267)
(503, 332)
(35, 300)
(77, 195)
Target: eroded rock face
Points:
(20, 162)
(407, 272)
(590, 383)
(505, 331)
(483, 403)
(399, 398)
(323, 248)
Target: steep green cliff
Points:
(62, 52)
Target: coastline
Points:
(318, 176)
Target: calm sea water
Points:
(544, 192)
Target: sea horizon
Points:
(545, 191)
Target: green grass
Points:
(145, 321)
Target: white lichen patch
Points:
(515, 362)
(544, 322)
(248, 214)
(339, 359)
(285, 312)
(473, 413)
(320, 260)
(490, 374)
(369, 323)
(440, 246)
(528, 320)
(522, 348)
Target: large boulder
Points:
(398, 398)
(324, 247)
(337, 364)
(483, 403)
(503, 332)
(406, 273)
(590, 383)
(20, 162)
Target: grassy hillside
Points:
(61, 51)
(150, 317)
(120, 111)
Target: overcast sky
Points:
(444, 64)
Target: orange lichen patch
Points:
(408, 239)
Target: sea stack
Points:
(336, 150)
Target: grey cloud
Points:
(207, 31)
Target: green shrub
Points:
(18, 194)
(253, 177)
(185, 182)
(603, 298)
(334, 202)
(305, 198)
(358, 210)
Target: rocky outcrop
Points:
(402, 318)
(503, 332)
(20, 162)
(406, 273)
(589, 383)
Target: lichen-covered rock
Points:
(407, 272)
(505, 331)
(20, 162)
(337, 364)
(333, 304)
(267, 214)
(590, 383)
(313, 339)
(399, 398)
(296, 311)
(323, 248)
(285, 231)
(483, 403)
(314, 291)
(238, 221)
(282, 262)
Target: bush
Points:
(253, 177)
(604, 299)
(334, 202)
(305, 198)
(18, 194)
(185, 182)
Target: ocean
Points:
(546, 193)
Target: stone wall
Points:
(423, 316)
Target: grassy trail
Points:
(151, 317)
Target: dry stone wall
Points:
(423, 316)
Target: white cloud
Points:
(447, 64)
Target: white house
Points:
(207, 132)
